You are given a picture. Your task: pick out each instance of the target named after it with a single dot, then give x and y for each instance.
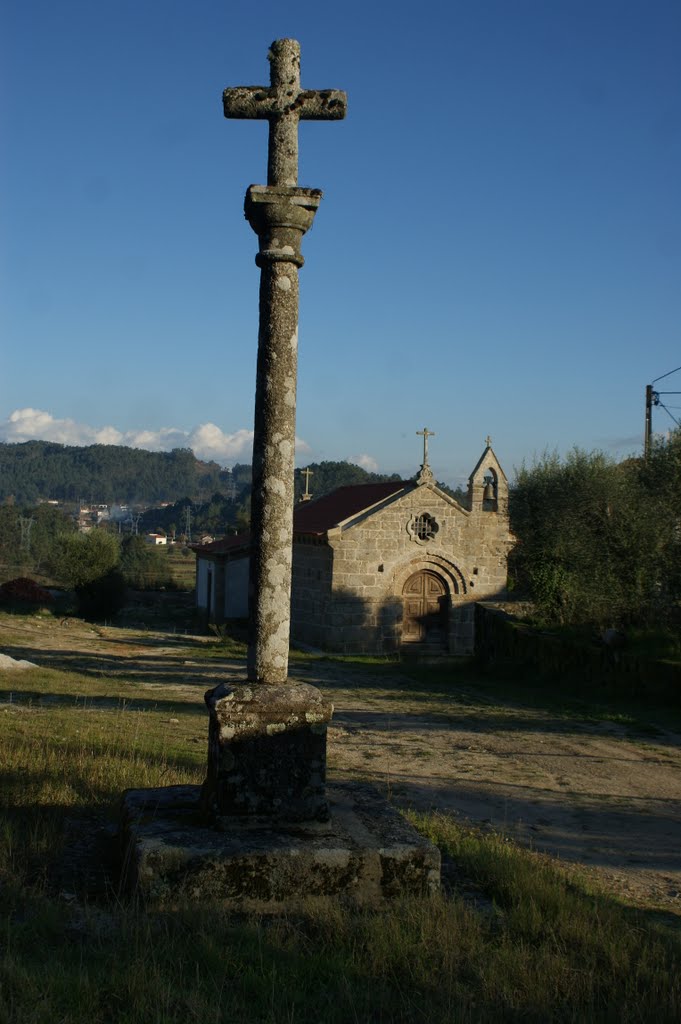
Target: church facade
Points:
(377, 567)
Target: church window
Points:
(423, 527)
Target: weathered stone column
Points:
(279, 216)
(267, 738)
(266, 838)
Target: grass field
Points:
(182, 567)
(181, 561)
(518, 940)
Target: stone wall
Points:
(311, 592)
(501, 640)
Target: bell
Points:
(488, 493)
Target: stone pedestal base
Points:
(366, 853)
(266, 752)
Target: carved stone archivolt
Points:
(451, 573)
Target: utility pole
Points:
(188, 524)
(653, 398)
(647, 436)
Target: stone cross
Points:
(284, 104)
(425, 434)
(307, 473)
(280, 214)
(488, 441)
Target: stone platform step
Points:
(365, 854)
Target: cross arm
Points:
(321, 104)
(257, 102)
(249, 101)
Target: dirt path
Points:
(592, 794)
(587, 793)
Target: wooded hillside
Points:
(103, 473)
(218, 500)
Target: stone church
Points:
(380, 566)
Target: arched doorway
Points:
(425, 600)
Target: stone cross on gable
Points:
(284, 104)
(425, 434)
(307, 473)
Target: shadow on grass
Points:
(161, 668)
(463, 683)
(587, 829)
(69, 851)
(494, 720)
(35, 698)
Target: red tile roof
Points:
(224, 546)
(320, 515)
(343, 503)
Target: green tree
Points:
(87, 563)
(592, 539)
(10, 541)
(80, 558)
(660, 477)
(144, 567)
(49, 524)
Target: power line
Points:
(663, 406)
(666, 375)
(653, 398)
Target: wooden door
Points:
(424, 617)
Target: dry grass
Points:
(517, 940)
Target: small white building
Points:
(156, 539)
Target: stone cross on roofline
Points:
(426, 474)
(307, 473)
(284, 104)
(425, 434)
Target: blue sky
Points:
(498, 250)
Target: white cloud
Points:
(35, 424)
(207, 440)
(367, 462)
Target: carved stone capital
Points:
(280, 216)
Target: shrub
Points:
(81, 558)
(145, 567)
(24, 590)
(103, 597)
